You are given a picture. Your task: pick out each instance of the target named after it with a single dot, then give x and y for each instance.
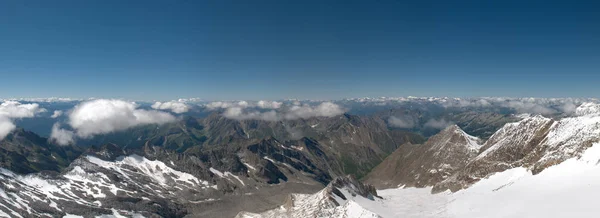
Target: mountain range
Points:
(214, 166)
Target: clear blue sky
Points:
(309, 49)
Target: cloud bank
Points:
(238, 113)
(6, 126)
(544, 106)
(401, 122)
(226, 104)
(262, 104)
(437, 124)
(269, 104)
(15, 110)
(106, 116)
(325, 109)
(61, 136)
(174, 106)
(56, 114)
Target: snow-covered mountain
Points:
(455, 160)
(535, 143)
(129, 185)
(243, 166)
(537, 167)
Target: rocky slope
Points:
(427, 164)
(26, 152)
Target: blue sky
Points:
(309, 49)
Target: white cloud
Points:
(238, 113)
(244, 104)
(62, 136)
(544, 106)
(529, 107)
(269, 104)
(325, 109)
(57, 114)
(189, 100)
(6, 126)
(466, 103)
(176, 107)
(226, 104)
(15, 110)
(46, 100)
(106, 116)
(437, 124)
(568, 108)
(295, 134)
(401, 122)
